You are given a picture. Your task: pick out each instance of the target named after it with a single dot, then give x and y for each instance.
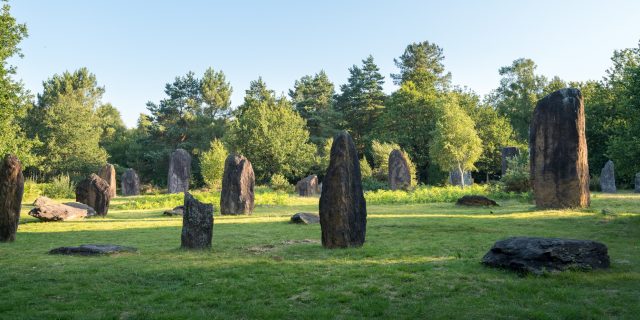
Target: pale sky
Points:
(135, 47)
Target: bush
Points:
(372, 184)
(32, 189)
(280, 183)
(516, 179)
(430, 194)
(60, 187)
(212, 164)
(380, 152)
(365, 169)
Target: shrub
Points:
(280, 183)
(380, 152)
(431, 194)
(516, 179)
(212, 164)
(373, 184)
(32, 189)
(60, 187)
(365, 169)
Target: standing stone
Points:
(343, 210)
(11, 190)
(197, 223)
(179, 171)
(608, 178)
(508, 153)
(637, 183)
(308, 186)
(108, 174)
(399, 174)
(130, 183)
(238, 182)
(94, 192)
(558, 151)
(455, 180)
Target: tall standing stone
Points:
(343, 210)
(179, 171)
(399, 174)
(130, 183)
(608, 178)
(456, 180)
(308, 186)
(558, 151)
(94, 192)
(238, 182)
(508, 153)
(637, 183)
(108, 174)
(11, 190)
(197, 223)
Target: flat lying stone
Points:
(46, 209)
(92, 250)
(537, 255)
(475, 201)
(305, 218)
(177, 211)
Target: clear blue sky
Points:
(135, 47)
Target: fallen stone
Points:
(197, 224)
(93, 250)
(475, 201)
(11, 191)
(177, 211)
(305, 218)
(46, 209)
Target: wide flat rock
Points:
(305, 218)
(475, 201)
(93, 250)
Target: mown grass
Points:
(419, 261)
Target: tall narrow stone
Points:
(399, 174)
(94, 192)
(197, 224)
(108, 174)
(11, 190)
(508, 153)
(179, 171)
(308, 186)
(608, 178)
(558, 151)
(343, 210)
(130, 183)
(238, 182)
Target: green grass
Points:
(419, 261)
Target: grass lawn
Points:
(419, 261)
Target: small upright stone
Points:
(558, 151)
(343, 210)
(456, 180)
(238, 181)
(399, 174)
(508, 153)
(11, 190)
(94, 192)
(637, 183)
(197, 224)
(130, 183)
(608, 178)
(308, 186)
(108, 174)
(179, 171)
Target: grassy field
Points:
(419, 261)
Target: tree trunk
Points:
(11, 189)
(461, 175)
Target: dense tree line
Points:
(441, 127)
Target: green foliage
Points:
(373, 184)
(216, 94)
(32, 190)
(60, 187)
(422, 64)
(313, 99)
(431, 194)
(517, 177)
(365, 169)
(212, 164)
(279, 183)
(380, 152)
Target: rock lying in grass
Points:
(94, 192)
(475, 201)
(177, 211)
(238, 181)
(537, 255)
(92, 250)
(305, 218)
(46, 209)
(197, 223)
(11, 191)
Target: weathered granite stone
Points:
(238, 182)
(93, 250)
(130, 183)
(305, 218)
(508, 153)
(558, 151)
(108, 174)
(308, 186)
(454, 178)
(94, 192)
(475, 201)
(177, 211)
(197, 223)
(537, 255)
(637, 183)
(608, 178)
(179, 171)
(46, 209)
(399, 174)
(343, 210)
(11, 190)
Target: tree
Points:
(361, 101)
(212, 163)
(216, 94)
(421, 63)
(313, 98)
(456, 145)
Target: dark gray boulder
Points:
(11, 191)
(343, 210)
(177, 211)
(46, 209)
(238, 181)
(475, 201)
(108, 174)
(94, 192)
(93, 250)
(197, 224)
(308, 186)
(637, 183)
(508, 153)
(608, 178)
(179, 171)
(305, 218)
(558, 151)
(537, 255)
(399, 173)
(130, 183)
